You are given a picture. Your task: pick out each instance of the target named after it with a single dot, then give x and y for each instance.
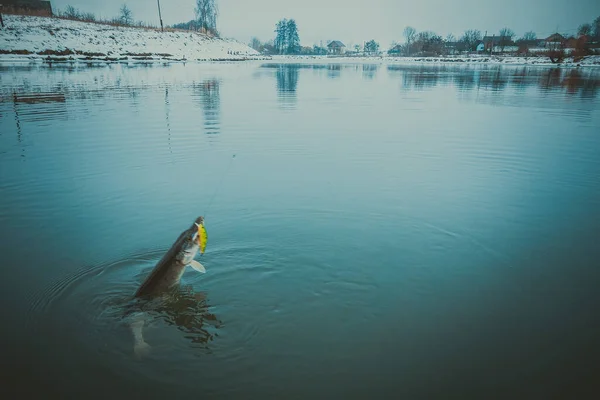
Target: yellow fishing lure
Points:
(202, 238)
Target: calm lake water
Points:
(383, 231)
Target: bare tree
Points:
(256, 44)
(71, 12)
(584, 29)
(428, 43)
(206, 15)
(596, 28)
(529, 36)
(525, 42)
(409, 35)
(470, 39)
(506, 36)
(126, 15)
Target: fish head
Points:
(190, 244)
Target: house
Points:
(554, 41)
(480, 47)
(395, 51)
(27, 7)
(336, 47)
(496, 41)
(452, 47)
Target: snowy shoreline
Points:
(589, 61)
(44, 39)
(27, 39)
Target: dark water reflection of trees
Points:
(208, 91)
(574, 82)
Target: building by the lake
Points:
(336, 47)
(26, 7)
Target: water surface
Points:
(383, 231)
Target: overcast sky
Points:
(353, 21)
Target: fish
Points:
(167, 274)
(169, 269)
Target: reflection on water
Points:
(208, 92)
(334, 71)
(167, 108)
(477, 188)
(584, 83)
(184, 309)
(369, 70)
(287, 82)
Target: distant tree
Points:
(470, 39)
(269, 48)
(428, 42)
(90, 17)
(596, 29)
(450, 38)
(206, 15)
(126, 16)
(584, 29)
(525, 42)
(581, 49)
(293, 39)
(409, 35)
(256, 44)
(357, 48)
(529, 36)
(372, 47)
(319, 50)
(556, 55)
(71, 12)
(506, 36)
(281, 36)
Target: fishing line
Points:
(219, 186)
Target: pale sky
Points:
(355, 22)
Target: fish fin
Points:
(197, 266)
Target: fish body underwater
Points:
(167, 274)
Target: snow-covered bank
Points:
(27, 38)
(475, 59)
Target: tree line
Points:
(206, 12)
(124, 18)
(205, 18)
(287, 41)
(429, 43)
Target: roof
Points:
(496, 39)
(556, 37)
(335, 43)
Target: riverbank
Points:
(51, 40)
(30, 39)
(589, 61)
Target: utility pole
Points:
(1, 20)
(492, 46)
(484, 36)
(159, 16)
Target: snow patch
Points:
(46, 38)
